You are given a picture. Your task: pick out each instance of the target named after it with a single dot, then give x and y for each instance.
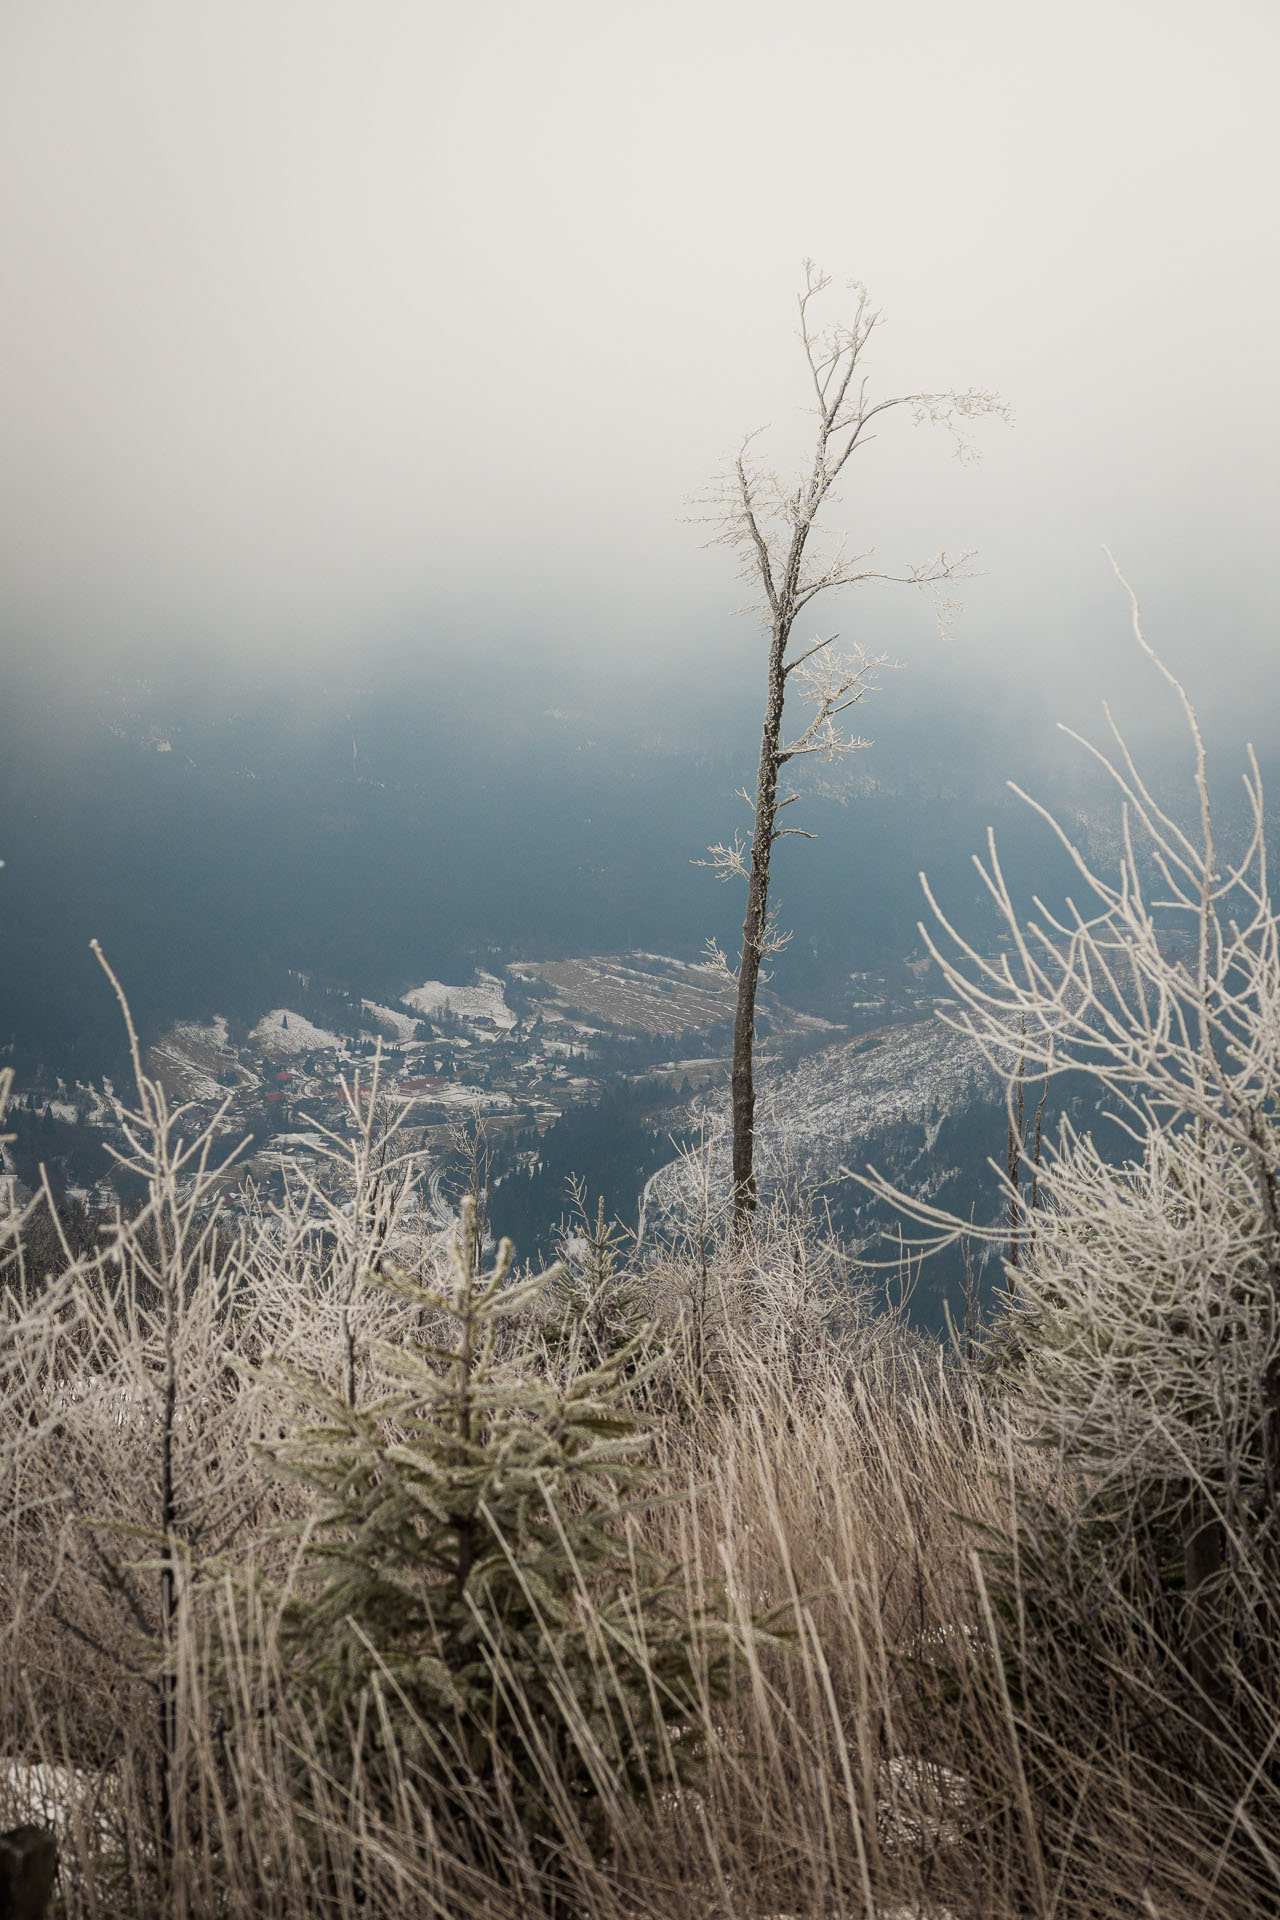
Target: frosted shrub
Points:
(1140, 1589)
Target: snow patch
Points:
(213, 1035)
(812, 1118)
(299, 1036)
(195, 1082)
(484, 1000)
(72, 1800)
(403, 1025)
(455, 1093)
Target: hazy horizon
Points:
(347, 336)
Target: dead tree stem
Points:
(754, 931)
(772, 526)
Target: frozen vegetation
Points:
(353, 1569)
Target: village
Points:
(515, 1051)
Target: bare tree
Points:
(773, 525)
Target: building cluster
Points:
(296, 1083)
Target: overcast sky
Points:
(328, 325)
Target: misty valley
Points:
(358, 1549)
(273, 880)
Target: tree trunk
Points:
(754, 929)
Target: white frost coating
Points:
(483, 1000)
(300, 1036)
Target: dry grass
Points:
(885, 1761)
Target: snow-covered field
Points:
(639, 992)
(175, 1066)
(402, 1024)
(483, 999)
(190, 1057)
(648, 993)
(283, 1031)
(213, 1035)
(811, 1118)
(189, 1062)
(465, 1099)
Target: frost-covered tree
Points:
(1142, 1342)
(122, 1432)
(773, 523)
